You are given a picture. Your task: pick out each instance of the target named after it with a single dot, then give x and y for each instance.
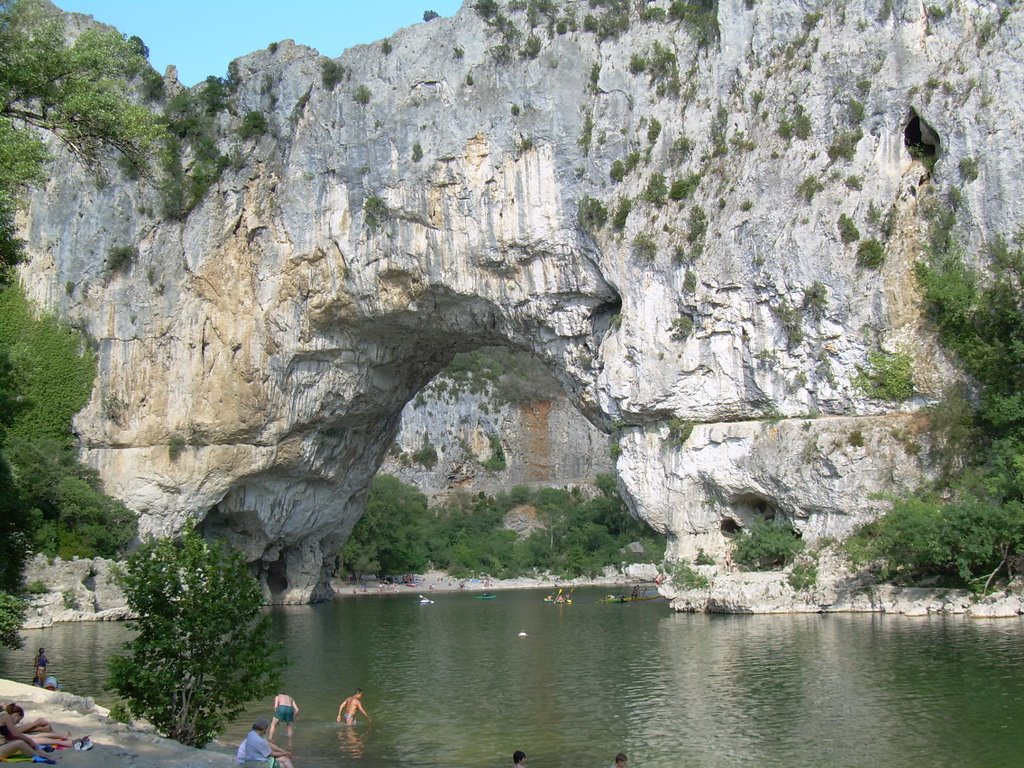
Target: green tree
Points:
(967, 542)
(767, 545)
(390, 536)
(14, 525)
(79, 93)
(59, 503)
(12, 614)
(54, 370)
(202, 648)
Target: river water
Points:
(453, 684)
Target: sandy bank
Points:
(439, 581)
(116, 745)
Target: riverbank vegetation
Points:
(80, 94)
(562, 532)
(202, 646)
(64, 510)
(969, 529)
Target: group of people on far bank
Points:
(258, 748)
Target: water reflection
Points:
(350, 738)
(453, 684)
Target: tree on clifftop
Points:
(202, 649)
(78, 93)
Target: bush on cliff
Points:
(767, 545)
(979, 317)
(202, 648)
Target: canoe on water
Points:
(486, 596)
(560, 598)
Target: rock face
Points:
(469, 435)
(649, 205)
(836, 589)
(73, 590)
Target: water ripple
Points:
(453, 684)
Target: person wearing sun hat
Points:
(255, 750)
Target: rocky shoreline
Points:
(83, 590)
(836, 589)
(116, 744)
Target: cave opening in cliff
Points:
(277, 578)
(730, 527)
(921, 140)
(748, 508)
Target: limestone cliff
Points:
(471, 431)
(704, 223)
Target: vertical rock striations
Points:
(704, 223)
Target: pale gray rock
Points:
(642, 572)
(838, 588)
(256, 358)
(541, 438)
(1002, 606)
(74, 590)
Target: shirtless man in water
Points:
(285, 710)
(350, 705)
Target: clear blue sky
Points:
(201, 37)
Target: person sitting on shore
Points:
(42, 732)
(39, 725)
(14, 742)
(255, 750)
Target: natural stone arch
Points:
(244, 334)
(278, 368)
(330, 456)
